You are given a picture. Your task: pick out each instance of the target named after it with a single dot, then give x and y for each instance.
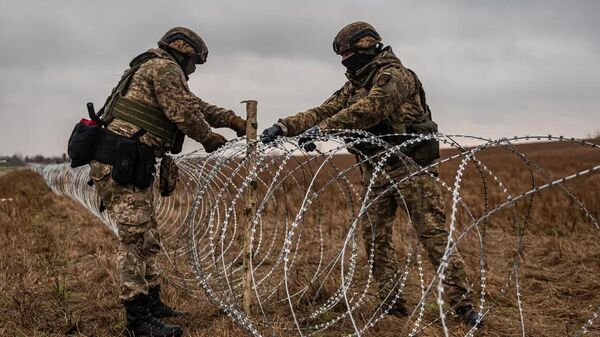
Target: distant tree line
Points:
(18, 159)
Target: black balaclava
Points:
(361, 58)
(357, 61)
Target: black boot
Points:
(159, 309)
(468, 315)
(141, 323)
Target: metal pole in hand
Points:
(250, 209)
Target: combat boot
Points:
(468, 315)
(158, 308)
(140, 321)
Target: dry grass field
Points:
(57, 270)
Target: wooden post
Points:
(250, 209)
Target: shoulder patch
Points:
(383, 79)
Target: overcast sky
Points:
(490, 68)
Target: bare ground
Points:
(57, 269)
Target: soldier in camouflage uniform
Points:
(383, 97)
(158, 81)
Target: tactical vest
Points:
(147, 118)
(423, 152)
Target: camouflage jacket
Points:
(161, 83)
(382, 95)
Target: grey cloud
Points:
(486, 65)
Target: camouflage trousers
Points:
(420, 197)
(133, 210)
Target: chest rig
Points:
(147, 118)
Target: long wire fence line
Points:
(310, 273)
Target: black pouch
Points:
(83, 142)
(426, 151)
(125, 160)
(168, 176)
(145, 167)
(178, 142)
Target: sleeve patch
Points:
(383, 80)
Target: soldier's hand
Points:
(238, 124)
(308, 137)
(270, 134)
(213, 142)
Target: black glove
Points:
(270, 134)
(308, 137)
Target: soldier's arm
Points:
(391, 87)
(180, 105)
(215, 116)
(302, 121)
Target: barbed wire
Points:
(310, 271)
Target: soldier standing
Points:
(383, 97)
(146, 116)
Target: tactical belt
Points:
(106, 152)
(132, 162)
(145, 117)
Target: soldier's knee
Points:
(433, 237)
(130, 238)
(130, 263)
(456, 264)
(151, 242)
(130, 248)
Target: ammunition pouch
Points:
(132, 162)
(425, 151)
(124, 157)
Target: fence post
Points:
(250, 208)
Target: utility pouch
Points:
(177, 142)
(169, 174)
(145, 167)
(426, 151)
(83, 142)
(125, 160)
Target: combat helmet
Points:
(354, 37)
(186, 42)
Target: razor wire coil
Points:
(309, 271)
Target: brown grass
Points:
(57, 269)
